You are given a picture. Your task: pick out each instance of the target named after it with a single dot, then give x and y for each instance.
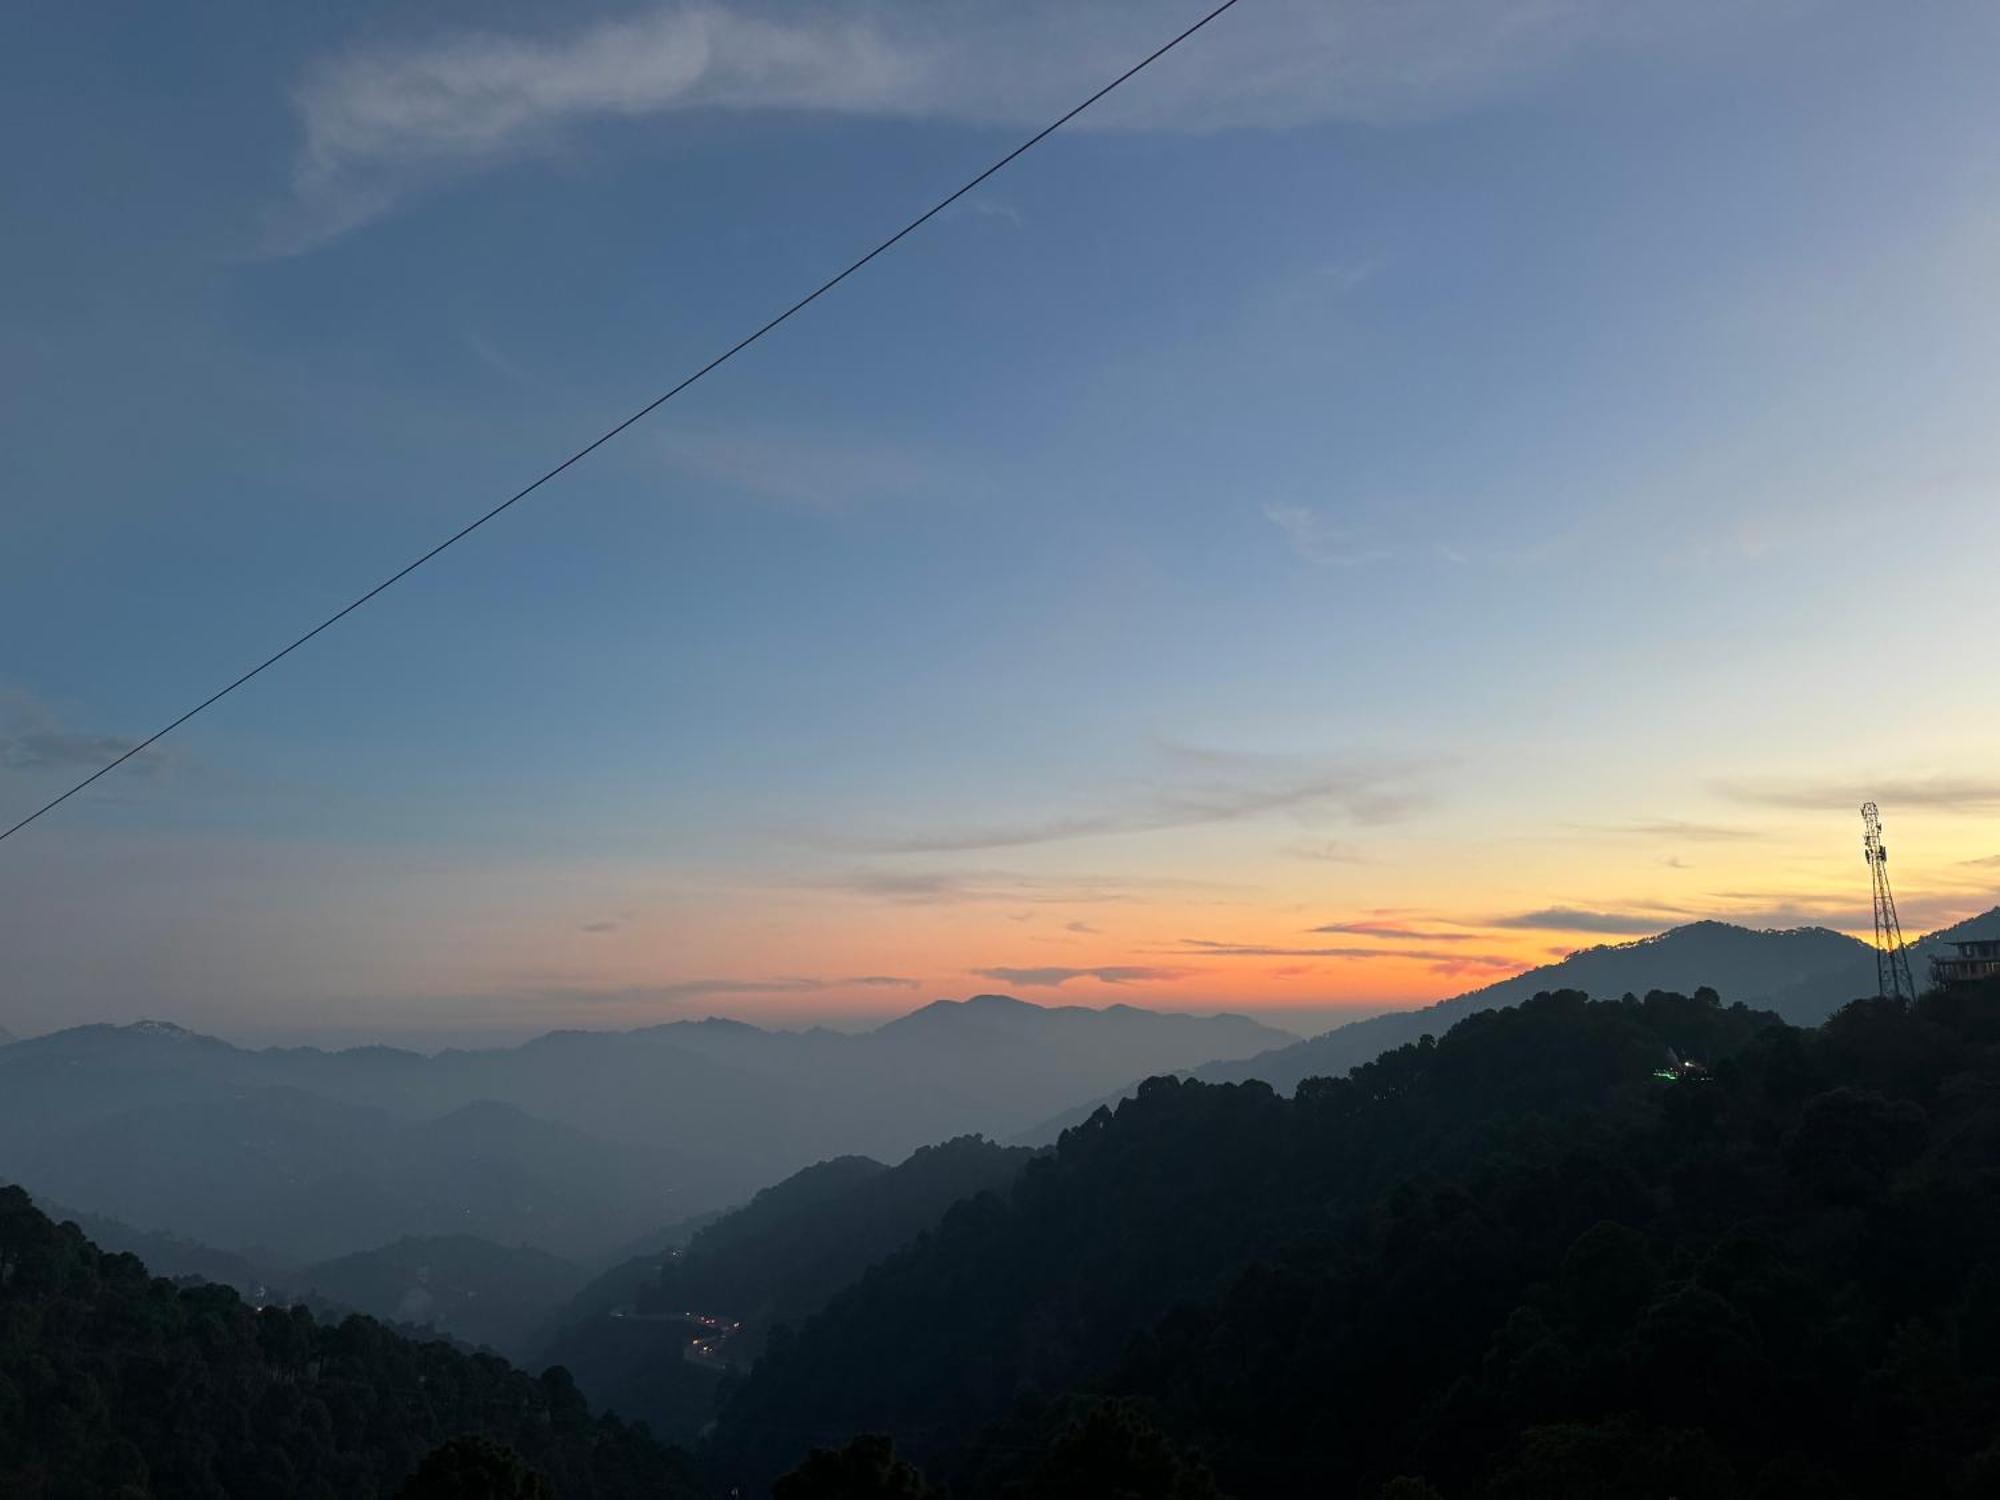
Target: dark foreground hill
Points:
(171, 1256)
(793, 1246)
(1802, 974)
(1528, 1259)
(1816, 970)
(117, 1384)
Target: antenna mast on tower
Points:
(1892, 963)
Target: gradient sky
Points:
(1405, 491)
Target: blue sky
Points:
(1452, 461)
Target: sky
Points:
(1396, 494)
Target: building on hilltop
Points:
(1978, 959)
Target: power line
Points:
(643, 412)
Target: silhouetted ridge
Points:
(115, 1383)
(1801, 973)
(1637, 1248)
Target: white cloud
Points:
(380, 122)
(814, 470)
(1319, 539)
(1201, 787)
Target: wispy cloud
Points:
(811, 470)
(1921, 910)
(1682, 828)
(1208, 948)
(1049, 978)
(1576, 919)
(700, 989)
(34, 738)
(1935, 793)
(653, 1000)
(1325, 851)
(1394, 932)
(382, 121)
(1320, 538)
(966, 887)
(1482, 965)
(1199, 786)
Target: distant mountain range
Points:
(1803, 974)
(577, 1143)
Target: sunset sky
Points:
(1406, 491)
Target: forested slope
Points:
(115, 1383)
(1514, 1262)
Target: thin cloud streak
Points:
(1389, 932)
(33, 738)
(1321, 540)
(1011, 887)
(1938, 793)
(1330, 852)
(684, 990)
(380, 123)
(1208, 948)
(1050, 978)
(807, 470)
(1681, 828)
(1576, 919)
(1205, 787)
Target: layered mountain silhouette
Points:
(1522, 1259)
(1803, 974)
(1517, 1257)
(577, 1143)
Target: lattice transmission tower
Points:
(1892, 962)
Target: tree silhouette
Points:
(865, 1469)
(475, 1468)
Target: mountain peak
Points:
(166, 1030)
(1002, 1002)
(110, 1034)
(1801, 973)
(944, 1012)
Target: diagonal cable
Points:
(641, 414)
